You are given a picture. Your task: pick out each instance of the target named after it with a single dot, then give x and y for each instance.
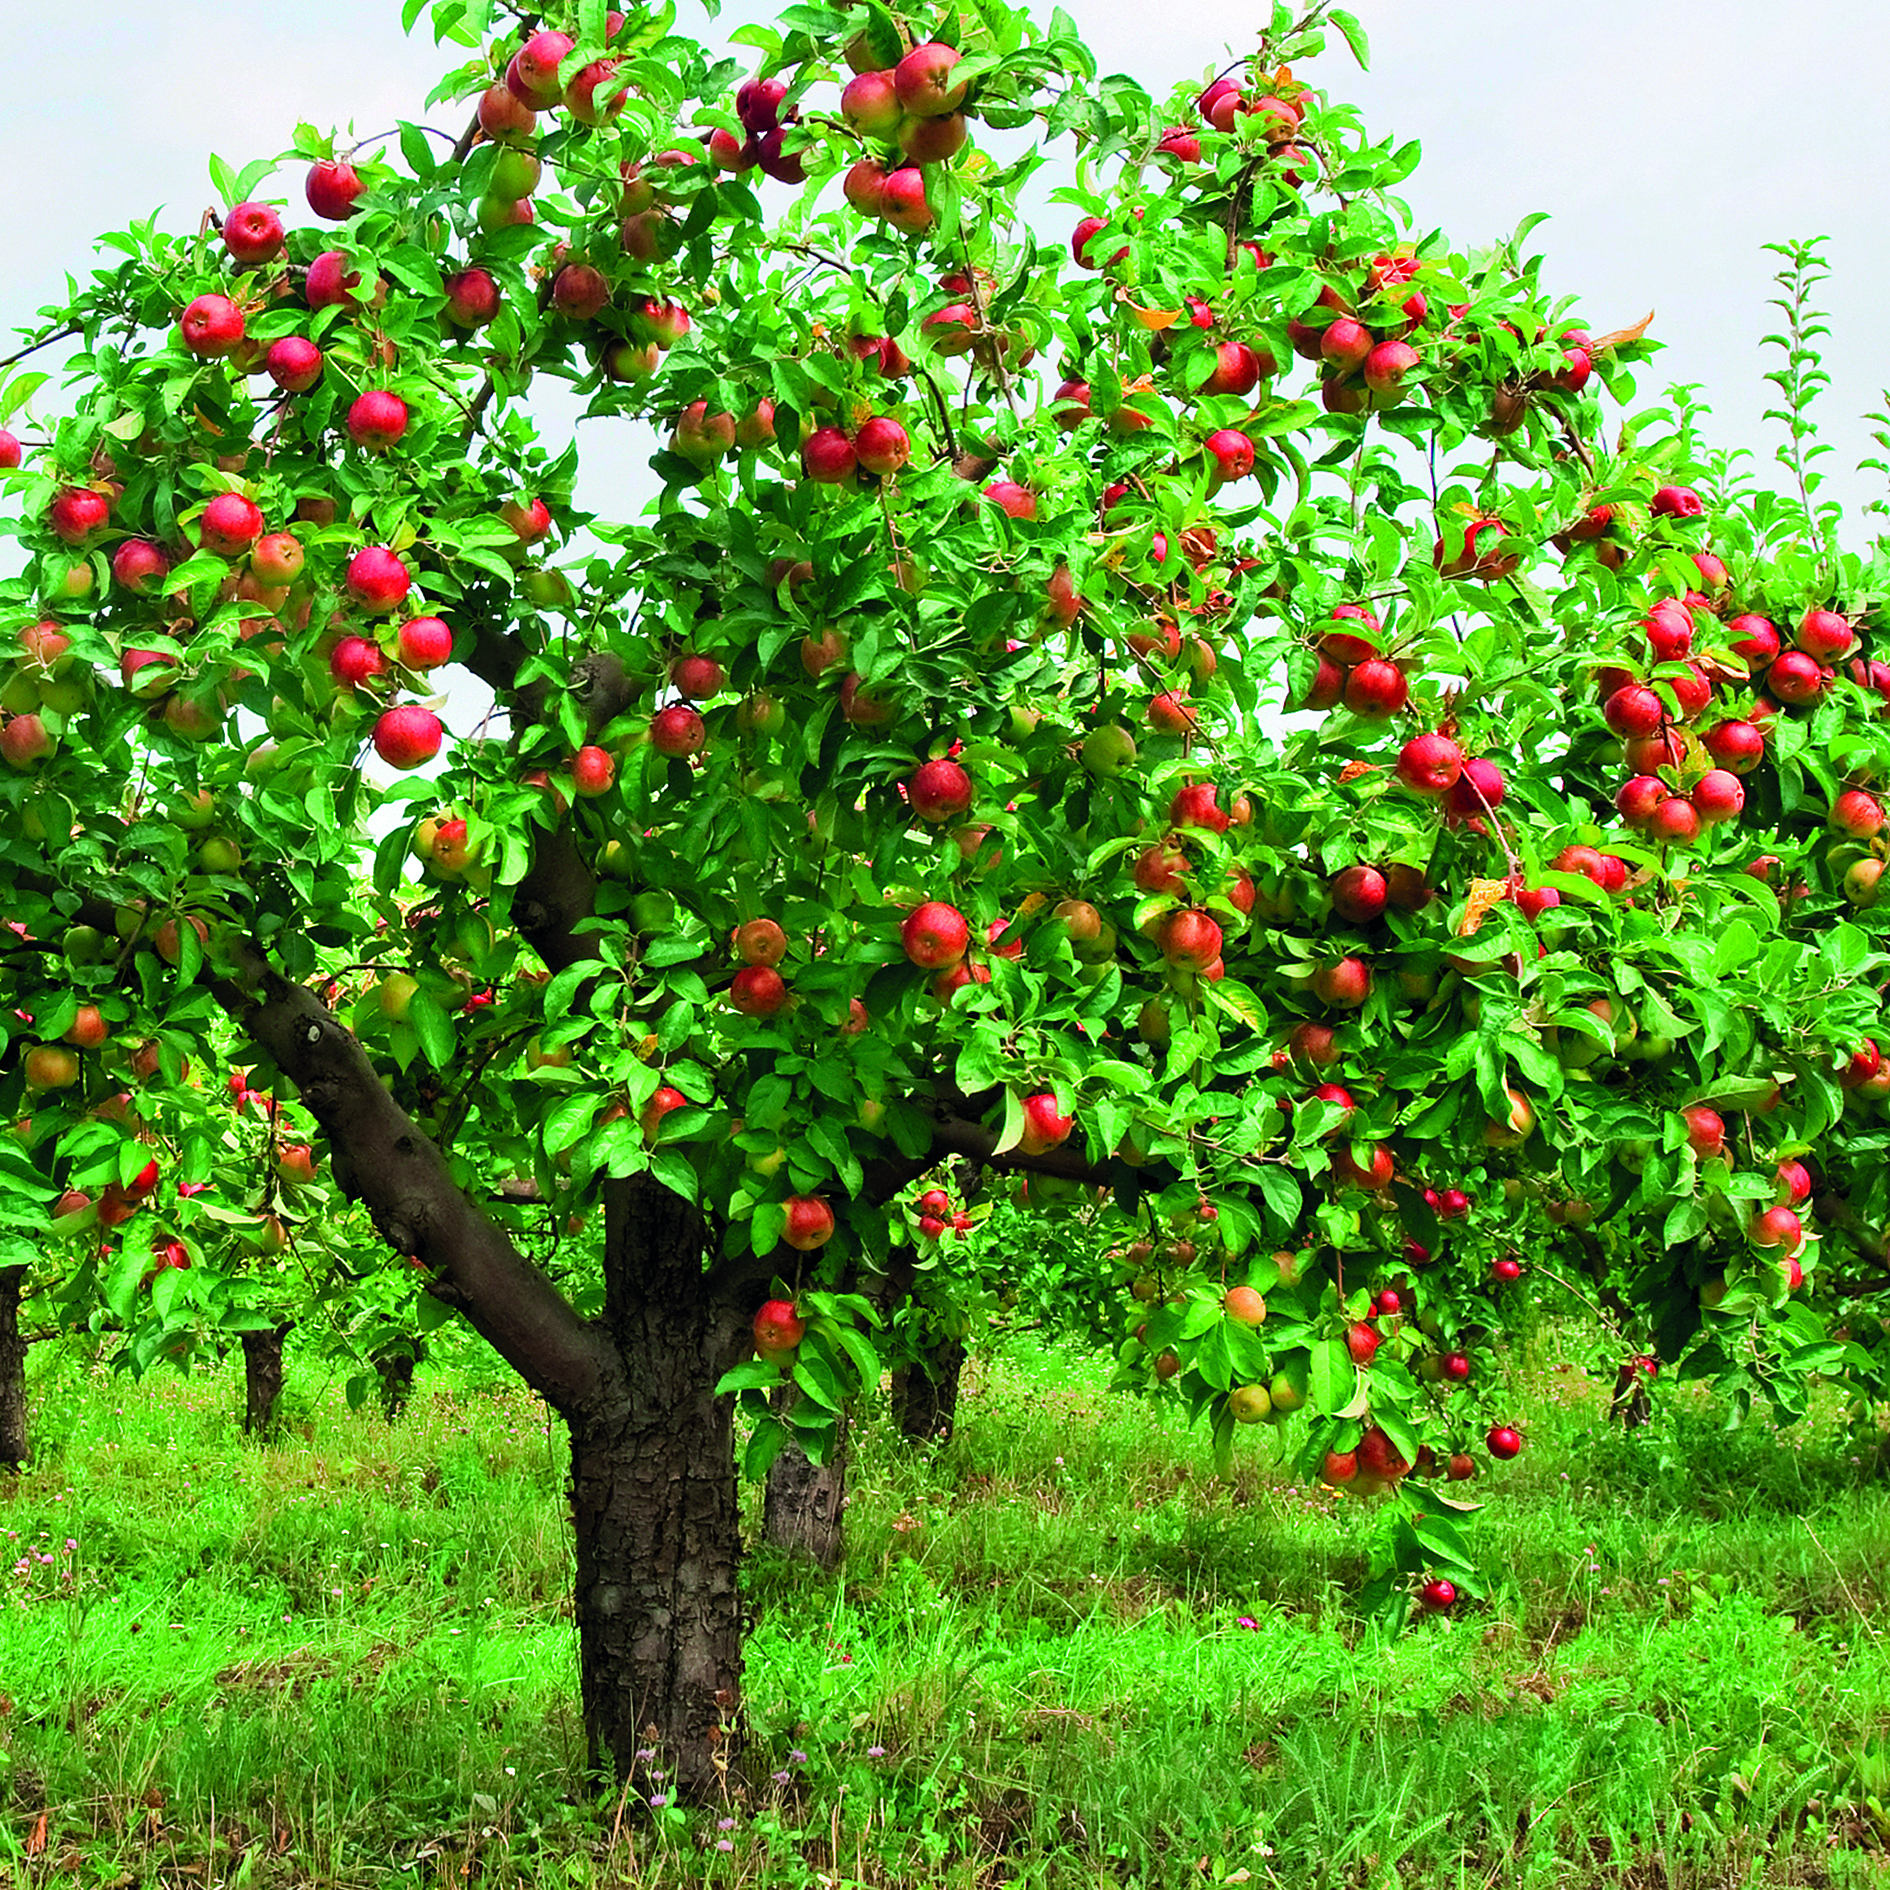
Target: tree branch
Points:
(386, 1162)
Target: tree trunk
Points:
(12, 1370)
(925, 1395)
(262, 1379)
(654, 1501)
(395, 1369)
(801, 1511)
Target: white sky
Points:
(1669, 139)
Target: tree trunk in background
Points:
(925, 1395)
(395, 1370)
(655, 1503)
(12, 1370)
(262, 1379)
(802, 1510)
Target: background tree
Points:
(911, 781)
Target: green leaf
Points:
(1354, 36)
(433, 1028)
(1333, 1379)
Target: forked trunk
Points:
(12, 1370)
(654, 1501)
(262, 1379)
(925, 1395)
(802, 1509)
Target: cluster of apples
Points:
(1358, 337)
(913, 111)
(938, 1216)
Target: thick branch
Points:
(383, 1160)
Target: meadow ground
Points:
(1060, 1653)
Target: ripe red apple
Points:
(1633, 711)
(809, 1222)
(1717, 795)
(882, 445)
(1376, 689)
(1011, 498)
(212, 327)
(778, 1329)
(1675, 821)
(1857, 814)
(472, 297)
(25, 741)
(1438, 1595)
(1796, 677)
(1362, 1341)
(294, 364)
(1189, 939)
(1343, 984)
(580, 292)
(330, 283)
(1170, 713)
(1826, 635)
(1677, 502)
(1385, 368)
(1477, 790)
(760, 942)
(76, 513)
(903, 202)
(923, 81)
(593, 771)
(1504, 1442)
(828, 457)
(425, 643)
(10, 451)
(407, 736)
(1045, 1126)
(377, 579)
(1230, 455)
(1706, 1130)
(354, 660)
(1430, 764)
(252, 233)
(1359, 894)
(1776, 1227)
(1738, 747)
(230, 524)
(1506, 1272)
(759, 991)
(678, 731)
(939, 790)
(376, 420)
(1794, 1184)
(935, 935)
(332, 187)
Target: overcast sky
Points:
(1669, 140)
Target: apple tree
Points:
(1191, 708)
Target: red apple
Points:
(939, 790)
(407, 736)
(935, 935)
(678, 731)
(809, 1222)
(377, 579)
(332, 187)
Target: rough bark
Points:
(654, 1502)
(262, 1379)
(803, 1505)
(925, 1394)
(12, 1370)
(395, 1369)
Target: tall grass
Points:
(1060, 1652)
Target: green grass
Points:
(1060, 1653)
